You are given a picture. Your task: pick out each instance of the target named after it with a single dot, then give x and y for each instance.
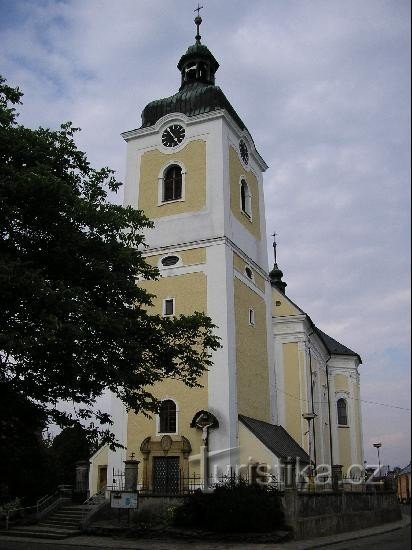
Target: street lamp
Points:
(378, 446)
(309, 417)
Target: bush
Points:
(232, 507)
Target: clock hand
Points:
(173, 136)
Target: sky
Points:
(324, 89)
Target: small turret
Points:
(276, 274)
(198, 63)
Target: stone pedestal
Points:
(82, 477)
(131, 470)
(204, 470)
(290, 473)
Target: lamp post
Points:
(309, 417)
(378, 446)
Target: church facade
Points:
(279, 387)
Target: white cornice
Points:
(188, 121)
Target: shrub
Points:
(232, 507)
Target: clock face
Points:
(244, 153)
(173, 135)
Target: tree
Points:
(68, 447)
(26, 466)
(73, 321)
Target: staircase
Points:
(60, 524)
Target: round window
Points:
(170, 260)
(249, 272)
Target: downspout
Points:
(330, 416)
(313, 409)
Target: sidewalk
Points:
(161, 544)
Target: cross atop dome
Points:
(198, 21)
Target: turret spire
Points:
(276, 274)
(198, 21)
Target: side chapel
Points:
(280, 387)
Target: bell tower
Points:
(193, 168)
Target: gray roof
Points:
(275, 438)
(334, 347)
(406, 470)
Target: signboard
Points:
(124, 499)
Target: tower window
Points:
(251, 316)
(342, 408)
(172, 184)
(168, 307)
(245, 199)
(249, 273)
(170, 260)
(167, 417)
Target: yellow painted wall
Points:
(239, 264)
(99, 458)
(190, 400)
(341, 382)
(251, 354)
(191, 256)
(284, 308)
(193, 156)
(236, 170)
(357, 424)
(252, 450)
(292, 386)
(177, 287)
(345, 455)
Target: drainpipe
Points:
(330, 416)
(311, 396)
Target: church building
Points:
(279, 387)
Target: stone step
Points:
(42, 532)
(68, 515)
(59, 523)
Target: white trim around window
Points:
(246, 208)
(169, 307)
(158, 432)
(160, 179)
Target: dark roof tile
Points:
(275, 438)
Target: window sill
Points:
(247, 216)
(162, 203)
(343, 426)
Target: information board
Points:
(123, 499)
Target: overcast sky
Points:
(324, 88)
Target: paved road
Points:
(396, 540)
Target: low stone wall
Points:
(321, 514)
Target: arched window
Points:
(245, 199)
(172, 184)
(167, 417)
(342, 412)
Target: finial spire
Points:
(276, 274)
(198, 21)
(274, 245)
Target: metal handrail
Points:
(41, 504)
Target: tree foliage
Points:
(73, 321)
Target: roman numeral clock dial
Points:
(173, 135)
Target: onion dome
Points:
(276, 274)
(198, 93)
(275, 277)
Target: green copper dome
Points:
(197, 94)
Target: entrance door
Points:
(102, 478)
(165, 474)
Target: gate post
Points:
(131, 468)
